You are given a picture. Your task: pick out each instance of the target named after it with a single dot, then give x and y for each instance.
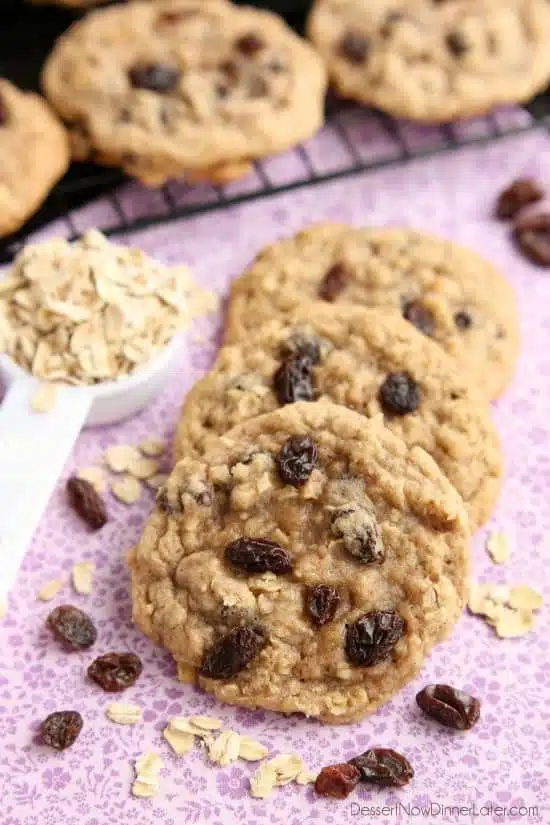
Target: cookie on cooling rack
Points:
(434, 61)
(449, 293)
(184, 88)
(369, 360)
(306, 563)
(34, 154)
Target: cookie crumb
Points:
(50, 590)
(498, 548)
(82, 576)
(94, 475)
(127, 490)
(152, 447)
(124, 714)
(119, 457)
(44, 398)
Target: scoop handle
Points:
(33, 450)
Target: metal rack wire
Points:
(354, 140)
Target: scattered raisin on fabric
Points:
(337, 781)
(61, 729)
(86, 502)
(371, 638)
(532, 233)
(399, 394)
(384, 767)
(322, 601)
(72, 627)
(114, 672)
(514, 198)
(233, 652)
(451, 707)
(296, 460)
(258, 556)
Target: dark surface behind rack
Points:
(27, 33)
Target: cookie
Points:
(172, 88)
(434, 61)
(306, 563)
(34, 154)
(369, 360)
(447, 292)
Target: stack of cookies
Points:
(312, 543)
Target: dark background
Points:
(27, 33)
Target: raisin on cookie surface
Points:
(434, 61)
(236, 570)
(448, 292)
(170, 88)
(34, 154)
(372, 361)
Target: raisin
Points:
(360, 533)
(3, 113)
(321, 603)
(258, 556)
(233, 652)
(463, 320)
(337, 781)
(334, 282)
(449, 706)
(293, 381)
(249, 44)
(399, 394)
(72, 627)
(373, 636)
(115, 672)
(86, 501)
(420, 316)
(384, 767)
(61, 729)
(297, 459)
(304, 345)
(154, 77)
(520, 193)
(457, 44)
(355, 47)
(532, 234)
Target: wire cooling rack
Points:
(355, 139)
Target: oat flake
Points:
(119, 457)
(96, 478)
(50, 590)
(152, 447)
(224, 749)
(127, 490)
(180, 742)
(143, 468)
(124, 714)
(83, 573)
(523, 597)
(251, 751)
(498, 548)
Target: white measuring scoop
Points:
(34, 447)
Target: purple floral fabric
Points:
(496, 772)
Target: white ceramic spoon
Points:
(34, 447)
